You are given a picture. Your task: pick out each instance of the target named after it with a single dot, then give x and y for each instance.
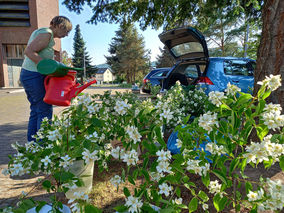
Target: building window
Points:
(14, 13)
(14, 50)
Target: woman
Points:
(40, 47)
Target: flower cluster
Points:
(193, 165)
(133, 204)
(232, 89)
(272, 117)
(272, 82)
(208, 120)
(259, 152)
(216, 97)
(214, 149)
(163, 161)
(133, 133)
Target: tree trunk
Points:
(270, 55)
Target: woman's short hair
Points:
(61, 21)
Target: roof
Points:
(102, 70)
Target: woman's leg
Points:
(33, 84)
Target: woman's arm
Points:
(38, 44)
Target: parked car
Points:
(154, 78)
(194, 66)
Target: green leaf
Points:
(233, 165)
(97, 122)
(178, 192)
(205, 180)
(281, 163)
(46, 184)
(121, 208)
(221, 176)
(203, 196)
(248, 187)
(167, 210)
(146, 175)
(130, 179)
(192, 206)
(63, 176)
(266, 94)
(159, 137)
(92, 209)
(126, 192)
(262, 132)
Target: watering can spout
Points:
(77, 90)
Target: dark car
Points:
(154, 78)
(194, 66)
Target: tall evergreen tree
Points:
(128, 57)
(79, 53)
(165, 59)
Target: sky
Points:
(98, 37)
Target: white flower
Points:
(163, 166)
(178, 201)
(46, 161)
(167, 114)
(133, 133)
(272, 82)
(156, 176)
(65, 162)
(204, 206)
(207, 121)
(133, 203)
(87, 156)
(163, 155)
(5, 172)
(178, 143)
(216, 97)
(130, 157)
(232, 89)
(252, 196)
(214, 187)
(115, 152)
(165, 189)
(54, 135)
(116, 180)
(121, 107)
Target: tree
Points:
(270, 55)
(66, 59)
(80, 53)
(165, 59)
(128, 57)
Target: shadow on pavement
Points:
(9, 134)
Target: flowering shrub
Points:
(88, 129)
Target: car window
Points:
(191, 71)
(160, 73)
(185, 48)
(238, 67)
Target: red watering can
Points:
(60, 90)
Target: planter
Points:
(47, 208)
(85, 172)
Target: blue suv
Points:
(194, 66)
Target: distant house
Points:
(104, 75)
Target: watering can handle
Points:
(46, 80)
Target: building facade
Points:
(18, 19)
(104, 75)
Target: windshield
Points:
(186, 48)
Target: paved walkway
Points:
(14, 113)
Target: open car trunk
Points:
(188, 46)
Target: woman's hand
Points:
(38, 44)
